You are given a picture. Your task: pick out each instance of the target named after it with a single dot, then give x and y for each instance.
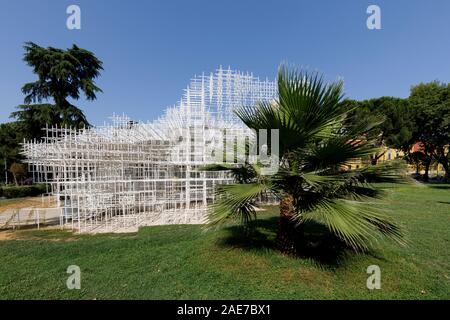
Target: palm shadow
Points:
(321, 246)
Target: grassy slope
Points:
(183, 262)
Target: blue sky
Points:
(151, 49)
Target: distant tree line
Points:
(418, 125)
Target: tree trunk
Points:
(425, 176)
(446, 169)
(442, 158)
(374, 159)
(290, 235)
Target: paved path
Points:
(16, 218)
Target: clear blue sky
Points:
(151, 49)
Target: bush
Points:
(22, 191)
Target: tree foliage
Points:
(18, 171)
(393, 118)
(430, 105)
(11, 135)
(62, 75)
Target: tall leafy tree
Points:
(18, 171)
(62, 75)
(313, 182)
(395, 126)
(11, 135)
(430, 104)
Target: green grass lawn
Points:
(184, 262)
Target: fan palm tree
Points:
(314, 182)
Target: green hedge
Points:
(22, 191)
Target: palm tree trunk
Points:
(290, 233)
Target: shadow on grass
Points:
(321, 246)
(441, 187)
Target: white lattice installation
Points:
(126, 174)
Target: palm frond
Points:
(310, 103)
(306, 109)
(216, 167)
(386, 172)
(235, 202)
(333, 153)
(359, 224)
(241, 173)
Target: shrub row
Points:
(22, 191)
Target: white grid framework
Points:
(127, 174)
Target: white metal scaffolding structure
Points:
(127, 174)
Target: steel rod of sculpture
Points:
(126, 174)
